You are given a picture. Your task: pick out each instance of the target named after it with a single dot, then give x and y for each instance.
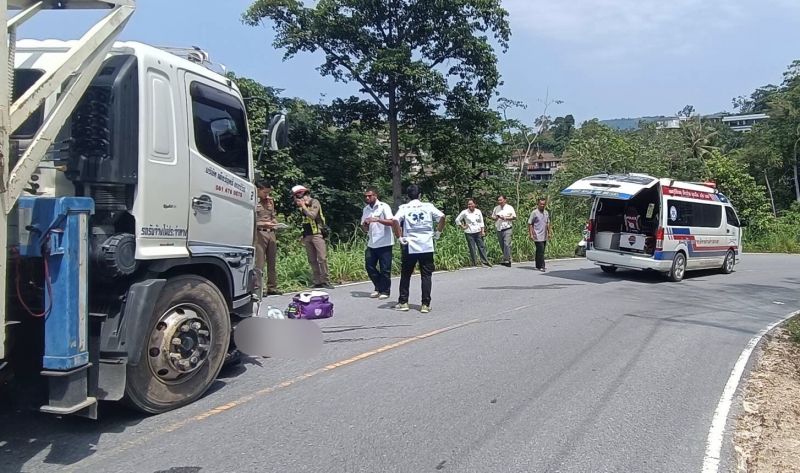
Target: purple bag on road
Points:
(310, 305)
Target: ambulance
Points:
(647, 223)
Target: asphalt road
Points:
(514, 370)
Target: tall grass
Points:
(346, 257)
(781, 237)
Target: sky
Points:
(603, 58)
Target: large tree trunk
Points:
(394, 139)
(796, 180)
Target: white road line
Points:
(717, 430)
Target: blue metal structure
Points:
(56, 230)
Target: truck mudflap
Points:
(123, 333)
(122, 336)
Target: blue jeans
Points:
(378, 262)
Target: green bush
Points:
(775, 234)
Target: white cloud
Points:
(612, 29)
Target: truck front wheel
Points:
(184, 348)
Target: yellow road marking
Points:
(262, 392)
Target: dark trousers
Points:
(475, 241)
(426, 268)
(504, 238)
(378, 262)
(540, 245)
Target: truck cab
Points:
(159, 146)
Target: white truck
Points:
(128, 214)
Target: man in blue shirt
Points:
(417, 225)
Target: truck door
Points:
(222, 199)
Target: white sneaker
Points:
(383, 296)
(374, 294)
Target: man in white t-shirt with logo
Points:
(377, 221)
(417, 226)
(504, 215)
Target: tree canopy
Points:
(408, 56)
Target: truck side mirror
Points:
(278, 132)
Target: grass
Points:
(346, 258)
(793, 326)
(779, 238)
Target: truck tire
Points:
(729, 263)
(184, 346)
(678, 269)
(609, 269)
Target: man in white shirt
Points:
(417, 225)
(377, 221)
(471, 220)
(504, 216)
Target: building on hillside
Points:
(544, 166)
(538, 167)
(670, 123)
(744, 123)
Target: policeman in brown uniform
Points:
(265, 240)
(313, 237)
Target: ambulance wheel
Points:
(184, 348)
(730, 261)
(609, 269)
(678, 268)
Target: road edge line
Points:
(716, 432)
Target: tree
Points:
(563, 129)
(407, 55)
(333, 149)
(757, 102)
(773, 147)
(733, 180)
(463, 150)
(687, 111)
(523, 137)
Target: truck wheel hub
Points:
(180, 342)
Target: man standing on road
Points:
(313, 239)
(414, 227)
(377, 221)
(471, 221)
(266, 241)
(540, 231)
(504, 216)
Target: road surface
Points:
(514, 370)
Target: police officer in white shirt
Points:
(417, 225)
(376, 220)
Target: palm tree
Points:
(699, 140)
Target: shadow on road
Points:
(631, 275)
(527, 288)
(26, 433)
